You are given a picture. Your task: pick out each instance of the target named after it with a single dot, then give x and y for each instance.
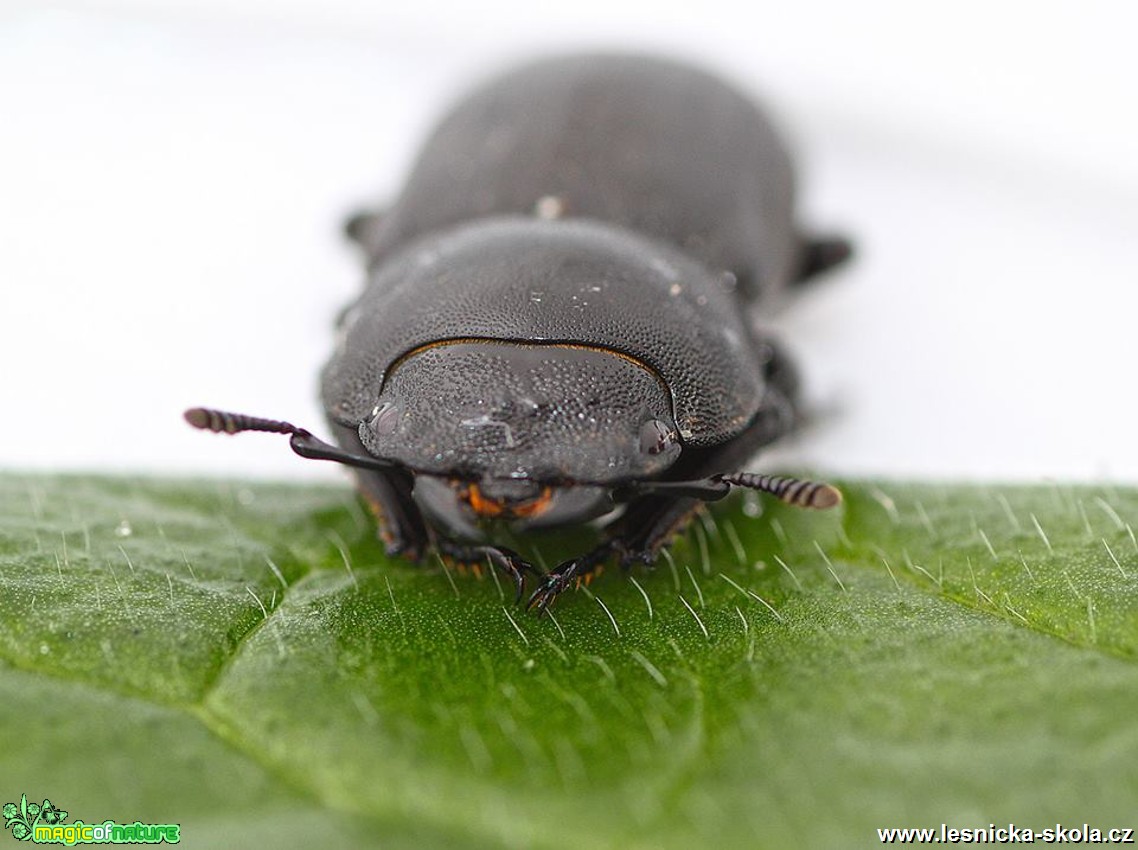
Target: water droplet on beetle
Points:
(665, 268)
(385, 418)
(549, 207)
(655, 437)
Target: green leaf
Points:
(243, 660)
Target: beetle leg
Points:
(400, 524)
(557, 580)
(403, 533)
(821, 254)
(657, 521)
(362, 226)
(637, 537)
(388, 494)
(507, 560)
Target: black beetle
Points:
(555, 321)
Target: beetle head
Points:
(533, 433)
(455, 502)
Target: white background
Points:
(173, 176)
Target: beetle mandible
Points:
(554, 327)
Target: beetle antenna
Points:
(793, 491)
(302, 441)
(707, 489)
(218, 421)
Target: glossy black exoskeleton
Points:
(556, 321)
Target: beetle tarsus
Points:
(506, 560)
(636, 557)
(553, 585)
(575, 571)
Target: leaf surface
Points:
(242, 659)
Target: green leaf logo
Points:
(22, 819)
(51, 814)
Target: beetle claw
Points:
(506, 560)
(514, 565)
(636, 557)
(576, 571)
(552, 586)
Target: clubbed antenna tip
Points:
(793, 491)
(221, 421)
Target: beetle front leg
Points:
(403, 532)
(388, 495)
(506, 560)
(400, 524)
(557, 580)
(637, 537)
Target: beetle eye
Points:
(655, 437)
(385, 418)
